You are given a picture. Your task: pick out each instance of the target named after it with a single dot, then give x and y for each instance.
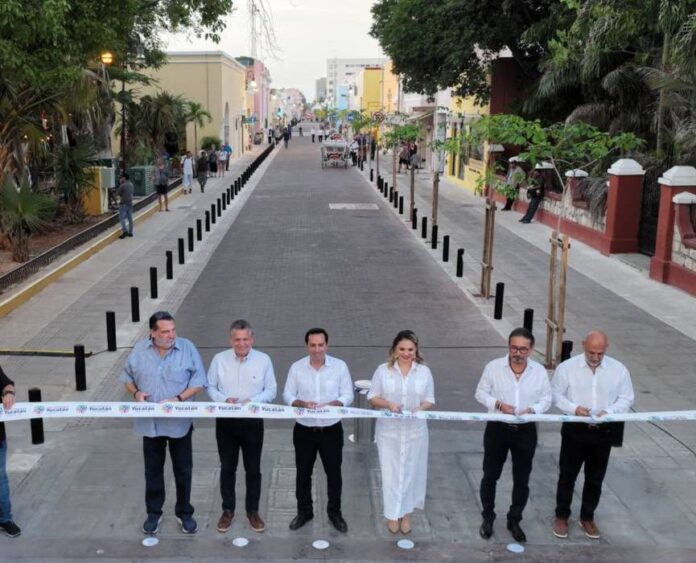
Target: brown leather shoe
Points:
(591, 530)
(225, 522)
(560, 528)
(256, 523)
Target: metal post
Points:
(499, 294)
(135, 304)
(80, 368)
(181, 251)
(433, 237)
(224, 201)
(36, 424)
(111, 331)
(391, 194)
(207, 221)
(190, 239)
(170, 265)
(227, 195)
(445, 248)
(396, 199)
(212, 213)
(401, 205)
(566, 349)
(528, 322)
(153, 282)
(385, 187)
(219, 208)
(372, 175)
(414, 218)
(424, 227)
(460, 263)
(199, 229)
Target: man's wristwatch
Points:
(180, 399)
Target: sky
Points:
(308, 32)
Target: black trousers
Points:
(154, 453)
(531, 209)
(499, 438)
(233, 434)
(588, 444)
(327, 441)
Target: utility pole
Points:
(253, 11)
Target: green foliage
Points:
(196, 114)
(408, 133)
(209, 141)
(22, 212)
(73, 178)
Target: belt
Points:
(318, 428)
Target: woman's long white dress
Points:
(403, 444)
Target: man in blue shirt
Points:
(161, 369)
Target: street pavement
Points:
(286, 257)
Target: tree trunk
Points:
(436, 195)
(660, 133)
(413, 190)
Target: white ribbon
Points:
(26, 411)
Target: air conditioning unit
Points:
(108, 177)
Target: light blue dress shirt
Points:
(164, 377)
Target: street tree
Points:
(197, 115)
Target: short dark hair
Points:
(316, 330)
(524, 333)
(159, 316)
(241, 324)
(125, 175)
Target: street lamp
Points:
(108, 58)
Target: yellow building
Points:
(369, 92)
(391, 89)
(215, 80)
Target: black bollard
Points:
(135, 305)
(190, 239)
(385, 187)
(391, 195)
(169, 264)
(219, 208)
(433, 237)
(414, 218)
(445, 248)
(401, 205)
(181, 251)
(153, 282)
(460, 263)
(379, 182)
(36, 424)
(227, 195)
(80, 367)
(224, 202)
(199, 229)
(232, 191)
(207, 221)
(499, 294)
(566, 349)
(212, 213)
(396, 199)
(372, 175)
(111, 331)
(424, 227)
(528, 322)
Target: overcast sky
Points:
(308, 33)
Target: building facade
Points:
(344, 71)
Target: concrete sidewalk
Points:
(285, 258)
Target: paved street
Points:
(285, 258)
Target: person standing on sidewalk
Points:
(7, 525)
(514, 385)
(286, 137)
(314, 133)
(125, 206)
(239, 376)
(535, 193)
(590, 384)
(202, 168)
(404, 383)
(161, 180)
(515, 177)
(188, 172)
(318, 380)
(165, 368)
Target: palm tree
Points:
(158, 115)
(196, 114)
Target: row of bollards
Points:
(392, 194)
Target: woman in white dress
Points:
(404, 384)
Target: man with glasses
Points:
(514, 385)
(590, 385)
(165, 368)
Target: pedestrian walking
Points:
(271, 135)
(187, 166)
(228, 155)
(238, 376)
(404, 156)
(591, 385)
(321, 134)
(414, 158)
(7, 525)
(517, 385)
(125, 205)
(314, 133)
(514, 178)
(222, 163)
(286, 137)
(161, 179)
(213, 161)
(165, 368)
(535, 194)
(300, 130)
(318, 380)
(403, 384)
(202, 169)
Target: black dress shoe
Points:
(300, 520)
(517, 534)
(338, 522)
(486, 530)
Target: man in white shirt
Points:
(516, 385)
(237, 376)
(188, 172)
(318, 380)
(592, 385)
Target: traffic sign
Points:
(377, 116)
